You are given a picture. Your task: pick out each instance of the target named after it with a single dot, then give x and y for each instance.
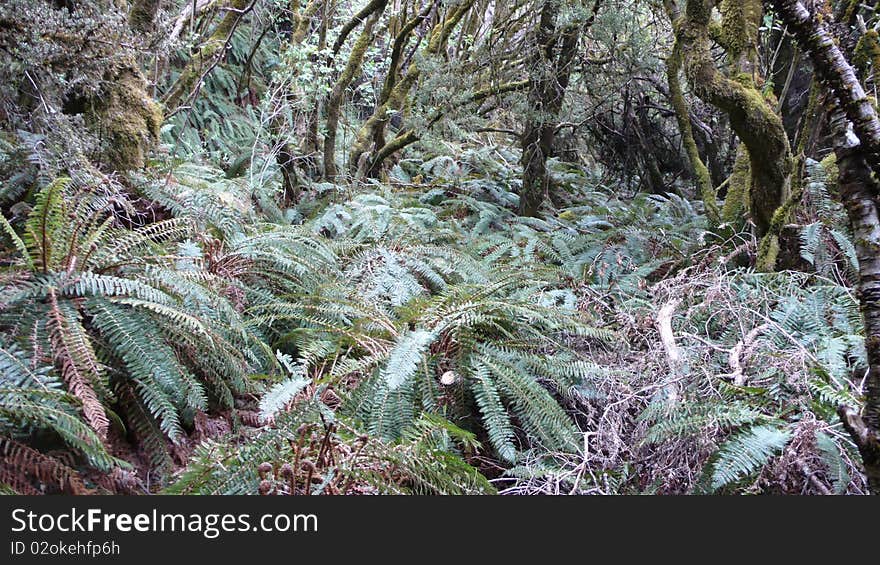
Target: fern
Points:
(282, 393)
(404, 359)
(833, 462)
(495, 417)
(746, 453)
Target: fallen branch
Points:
(735, 360)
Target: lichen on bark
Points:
(832, 172)
(857, 186)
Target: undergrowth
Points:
(417, 337)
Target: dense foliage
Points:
(434, 246)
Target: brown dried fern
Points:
(78, 363)
(19, 464)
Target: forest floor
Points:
(695, 374)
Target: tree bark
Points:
(286, 154)
(754, 120)
(550, 74)
(366, 12)
(334, 103)
(857, 187)
(209, 53)
(358, 157)
(400, 42)
(408, 137)
(701, 173)
(835, 72)
(143, 15)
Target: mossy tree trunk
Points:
(142, 16)
(122, 113)
(125, 118)
(334, 103)
(752, 117)
(702, 177)
(208, 54)
(401, 39)
(398, 96)
(311, 144)
(550, 71)
(372, 7)
(408, 136)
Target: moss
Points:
(373, 128)
(716, 32)
(768, 250)
(736, 203)
(126, 118)
(143, 13)
(210, 49)
(755, 122)
(832, 172)
(770, 157)
(768, 253)
(805, 133)
(849, 15)
(740, 23)
(867, 51)
(745, 79)
(682, 114)
(352, 66)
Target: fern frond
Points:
(79, 365)
(746, 453)
(495, 417)
(405, 358)
(27, 461)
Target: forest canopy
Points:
(439, 247)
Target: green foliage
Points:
(225, 320)
(33, 400)
(426, 460)
(455, 313)
(745, 453)
(280, 395)
(114, 310)
(827, 243)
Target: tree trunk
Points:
(835, 72)
(682, 114)
(209, 54)
(550, 72)
(857, 139)
(334, 103)
(286, 153)
(856, 188)
(754, 120)
(143, 15)
(398, 95)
